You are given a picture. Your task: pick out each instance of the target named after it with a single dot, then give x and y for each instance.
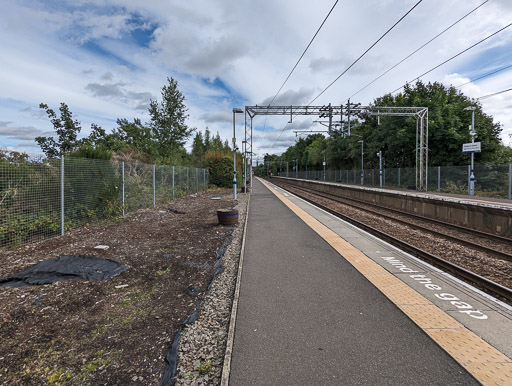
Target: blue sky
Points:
(108, 59)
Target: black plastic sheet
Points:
(81, 267)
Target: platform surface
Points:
(306, 315)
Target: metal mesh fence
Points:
(41, 199)
(29, 201)
(490, 180)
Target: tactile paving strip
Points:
(480, 359)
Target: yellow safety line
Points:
(488, 365)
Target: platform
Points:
(323, 303)
(485, 214)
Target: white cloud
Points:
(497, 106)
(83, 53)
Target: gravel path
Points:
(203, 343)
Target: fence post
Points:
(204, 179)
(187, 181)
(154, 186)
(439, 178)
(510, 181)
(122, 172)
(197, 182)
(173, 183)
(62, 195)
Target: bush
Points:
(221, 172)
(220, 167)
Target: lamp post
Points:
(472, 134)
(362, 161)
(379, 154)
(236, 110)
(324, 167)
(244, 167)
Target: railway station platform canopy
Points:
(336, 123)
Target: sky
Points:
(108, 59)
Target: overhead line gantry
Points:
(350, 110)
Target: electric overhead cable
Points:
(364, 53)
(453, 57)
(298, 61)
(296, 64)
(484, 76)
(357, 60)
(496, 93)
(412, 53)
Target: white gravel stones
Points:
(203, 343)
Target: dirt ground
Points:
(114, 332)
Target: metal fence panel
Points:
(92, 190)
(31, 193)
(29, 201)
(491, 180)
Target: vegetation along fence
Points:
(43, 199)
(490, 180)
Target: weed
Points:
(203, 368)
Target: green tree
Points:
(448, 128)
(198, 149)
(137, 137)
(207, 140)
(67, 131)
(168, 120)
(216, 144)
(315, 152)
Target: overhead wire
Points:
(496, 93)
(364, 53)
(412, 53)
(453, 57)
(484, 76)
(298, 61)
(353, 63)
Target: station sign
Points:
(472, 147)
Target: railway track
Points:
(459, 236)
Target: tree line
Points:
(396, 136)
(160, 141)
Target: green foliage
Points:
(161, 140)
(198, 149)
(448, 125)
(66, 128)
(220, 167)
(168, 120)
(88, 151)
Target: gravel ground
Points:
(203, 343)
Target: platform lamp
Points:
(362, 161)
(244, 166)
(472, 134)
(236, 110)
